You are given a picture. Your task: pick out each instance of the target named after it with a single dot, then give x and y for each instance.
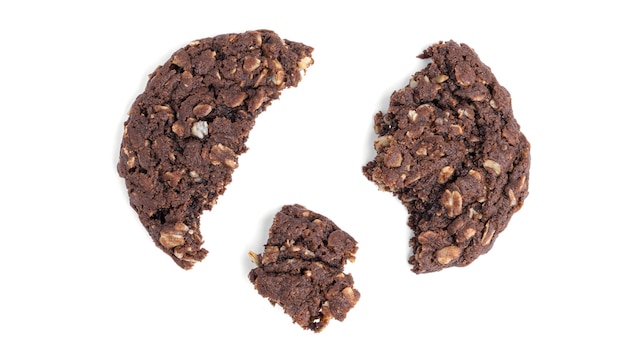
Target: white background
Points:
(79, 273)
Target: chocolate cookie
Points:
(450, 149)
(185, 132)
(301, 268)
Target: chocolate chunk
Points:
(185, 132)
(451, 150)
(301, 268)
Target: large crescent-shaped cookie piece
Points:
(185, 132)
(450, 149)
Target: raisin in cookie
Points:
(451, 150)
(301, 268)
(185, 132)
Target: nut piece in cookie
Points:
(185, 132)
(451, 150)
(301, 268)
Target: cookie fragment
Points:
(185, 132)
(302, 266)
(451, 150)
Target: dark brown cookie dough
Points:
(185, 132)
(301, 268)
(450, 149)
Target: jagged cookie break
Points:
(185, 132)
(301, 268)
(450, 149)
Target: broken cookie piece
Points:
(185, 132)
(302, 267)
(451, 150)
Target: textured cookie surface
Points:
(451, 150)
(301, 268)
(185, 132)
